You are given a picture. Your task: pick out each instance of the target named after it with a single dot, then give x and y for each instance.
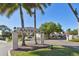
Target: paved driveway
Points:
(4, 47)
(56, 42)
(62, 42)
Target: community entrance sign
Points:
(15, 39)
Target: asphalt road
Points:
(4, 47)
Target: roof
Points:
(27, 28)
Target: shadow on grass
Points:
(56, 51)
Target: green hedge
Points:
(75, 40)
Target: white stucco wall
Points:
(0, 32)
(38, 35)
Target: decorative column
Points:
(15, 39)
(67, 37)
(42, 38)
(70, 37)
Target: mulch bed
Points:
(32, 47)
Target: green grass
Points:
(74, 40)
(56, 51)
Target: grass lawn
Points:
(56, 51)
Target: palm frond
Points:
(3, 8)
(6, 8)
(11, 10)
(49, 4)
(27, 8)
(44, 5)
(40, 7)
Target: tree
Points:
(6, 32)
(75, 32)
(72, 32)
(35, 7)
(48, 28)
(68, 31)
(8, 9)
(35, 26)
(58, 28)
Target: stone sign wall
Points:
(15, 39)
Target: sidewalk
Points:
(4, 47)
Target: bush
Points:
(75, 40)
(50, 47)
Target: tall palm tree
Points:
(35, 26)
(76, 15)
(40, 7)
(36, 6)
(22, 24)
(8, 9)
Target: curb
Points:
(9, 54)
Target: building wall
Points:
(0, 32)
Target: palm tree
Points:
(10, 8)
(22, 24)
(36, 6)
(35, 26)
(76, 15)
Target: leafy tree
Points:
(50, 27)
(6, 32)
(68, 31)
(72, 32)
(58, 28)
(75, 32)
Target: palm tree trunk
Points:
(75, 15)
(35, 25)
(22, 24)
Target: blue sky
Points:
(58, 13)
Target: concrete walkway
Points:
(4, 47)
